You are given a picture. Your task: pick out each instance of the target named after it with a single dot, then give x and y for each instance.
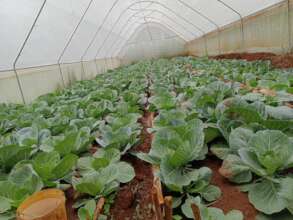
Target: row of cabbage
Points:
(235, 109)
(73, 137)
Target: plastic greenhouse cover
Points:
(151, 31)
(75, 30)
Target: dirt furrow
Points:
(135, 199)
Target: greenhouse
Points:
(146, 110)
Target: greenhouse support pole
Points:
(61, 74)
(289, 26)
(22, 47)
(138, 2)
(241, 20)
(83, 71)
(71, 37)
(96, 66)
(105, 64)
(219, 41)
(206, 45)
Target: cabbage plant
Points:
(266, 154)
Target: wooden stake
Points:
(196, 211)
(99, 208)
(157, 204)
(168, 208)
(158, 187)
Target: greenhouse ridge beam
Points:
(23, 46)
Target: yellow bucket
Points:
(47, 204)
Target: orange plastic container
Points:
(47, 204)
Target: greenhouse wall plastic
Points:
(268, 30)
(41, 80)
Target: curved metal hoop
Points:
(151, 10)
(23, 46)
(99, 29)
(70, 39)
(147, 1)
(95, 35)
(159, 22)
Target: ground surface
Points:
(231, 197)
(135, 199)
(278, 61)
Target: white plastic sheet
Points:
(106, 26)
(151, 40)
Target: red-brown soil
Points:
(232, 197)
(135, 199)
(278, 61)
